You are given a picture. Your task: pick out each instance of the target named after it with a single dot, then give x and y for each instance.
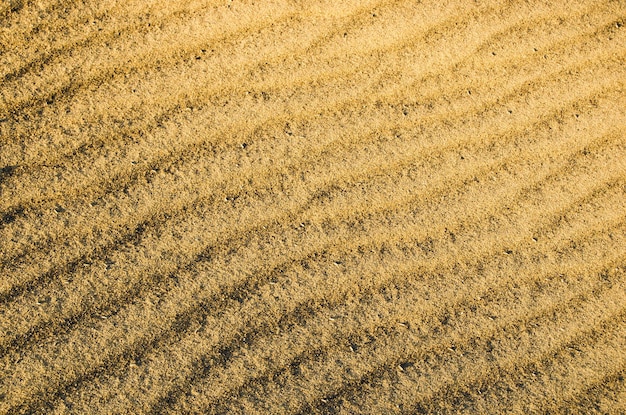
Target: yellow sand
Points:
(296, 207)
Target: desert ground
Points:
(312, 207)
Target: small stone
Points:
(405, 365)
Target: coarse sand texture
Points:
(312, 207)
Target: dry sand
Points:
(303, 207)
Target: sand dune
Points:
(288, 207)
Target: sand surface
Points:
(312, 207)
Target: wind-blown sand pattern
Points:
(290, 207)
